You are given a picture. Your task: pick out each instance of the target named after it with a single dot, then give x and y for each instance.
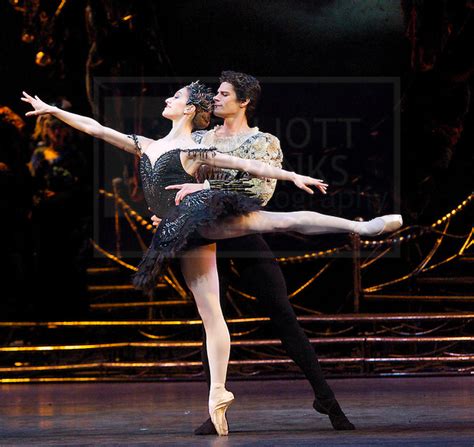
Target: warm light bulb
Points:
(43, 59)
(27, 38)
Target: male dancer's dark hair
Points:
(245, 86)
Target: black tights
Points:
(265, 280)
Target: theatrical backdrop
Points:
(376, 100)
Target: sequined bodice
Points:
(167, 170)
(180, 227)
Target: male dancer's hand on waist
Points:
(155, 220)
(185, 189)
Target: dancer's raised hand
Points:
(40, 107)
(304, 182)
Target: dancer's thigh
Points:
(199, 269)
(254, 222)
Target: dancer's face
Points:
(225, 102)
(176, 105)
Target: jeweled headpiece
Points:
(200, 96)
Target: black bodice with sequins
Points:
(179, 227)
(167, 170)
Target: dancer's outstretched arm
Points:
(85, 124)
(260, 169)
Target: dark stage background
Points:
(277, 39)
(397, 75)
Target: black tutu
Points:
(179, 229)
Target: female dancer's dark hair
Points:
(201, 97)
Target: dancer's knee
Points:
(209, 310)
(280, 222)
(288, 221)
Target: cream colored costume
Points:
(253, 145)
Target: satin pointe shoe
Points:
(391, 222)
(217, 408)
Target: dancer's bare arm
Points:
(265, 148)
(259, 169)
(85, 124)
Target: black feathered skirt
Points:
(179, 229)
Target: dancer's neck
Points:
(180, 132)
(234, 125)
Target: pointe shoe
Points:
(217, 409)
(379, 225)
(391, 222)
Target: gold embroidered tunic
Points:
(253, 145)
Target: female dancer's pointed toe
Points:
(217, 409)
(391, 222)
(379, 225)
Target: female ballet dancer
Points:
(191, 228)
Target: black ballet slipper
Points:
(337, 417)
(207, 428)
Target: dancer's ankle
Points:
(331, 407)
(369, 228)
(216, 389)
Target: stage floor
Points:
(386, 411)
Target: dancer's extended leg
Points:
(200, 272)
(305, 222)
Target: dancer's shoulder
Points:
(268, 139)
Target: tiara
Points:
(200, 96)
